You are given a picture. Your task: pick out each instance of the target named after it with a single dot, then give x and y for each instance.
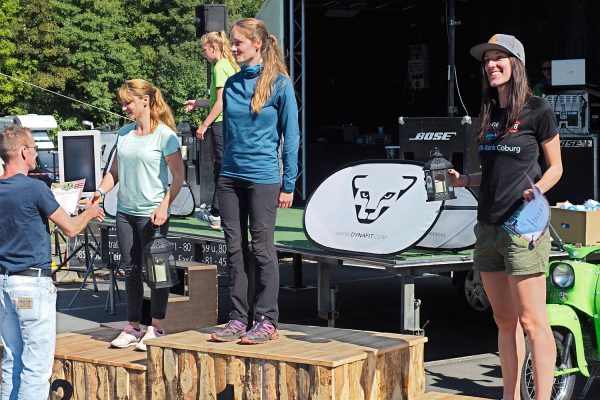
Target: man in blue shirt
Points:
(27, 294)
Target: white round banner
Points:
(376, 207)
(454, 228)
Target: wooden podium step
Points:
(192, 304)
(304, 363)
(94, 370)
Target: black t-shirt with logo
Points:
(506, 160)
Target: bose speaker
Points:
(579, 181)
(210, 18)
(453, 136)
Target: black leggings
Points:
(240, 201)
(132, 234)
(217, 130)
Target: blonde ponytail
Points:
(160, 111)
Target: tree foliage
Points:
(10, 90)
(85, 49)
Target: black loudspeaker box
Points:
(579, 181)
(206, 160)
(453, 136)
(210, 18)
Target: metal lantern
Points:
(437, 179)
(188, 140)
(159, 263)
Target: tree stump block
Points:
(304, 363)
(94, 370)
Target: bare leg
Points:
(529, 294)
(511, 344)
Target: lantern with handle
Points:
(159, 262)
(438, 182)
(188, 139)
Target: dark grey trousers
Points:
(217, 130)
(132, 234)
(244, 203)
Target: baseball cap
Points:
(499, 41)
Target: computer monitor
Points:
(79, 157)
(568, 72)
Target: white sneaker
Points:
(151, 333)
(127, 337)
(205, 216)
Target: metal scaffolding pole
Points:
(296, 54)
(451, 24)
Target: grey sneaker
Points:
(151, 333)
(205, 216)
(262, 331)
(232, 330)
(127, 337)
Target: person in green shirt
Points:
(217, 50)
(540, 87)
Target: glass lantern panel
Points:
(160, 269)
(429, 183)
(440, 183)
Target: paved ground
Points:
(460, 355)
(476, 375)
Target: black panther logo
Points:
(372, 199)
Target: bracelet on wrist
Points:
(102, 194)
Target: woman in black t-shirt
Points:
(514, 126)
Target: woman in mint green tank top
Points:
(147, 149)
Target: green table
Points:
(290, 238)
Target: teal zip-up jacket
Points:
(251, 141)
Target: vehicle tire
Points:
(563, 386)
(471, 289)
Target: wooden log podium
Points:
(304, 363)
(95, 371)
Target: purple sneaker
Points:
(262, 331)
(233, 330)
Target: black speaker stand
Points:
(88, 248)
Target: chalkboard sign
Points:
(184, 248)
(214, 253)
